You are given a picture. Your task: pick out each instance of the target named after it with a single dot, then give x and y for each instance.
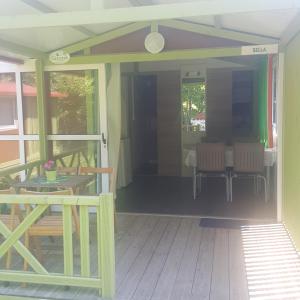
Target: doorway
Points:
(145, 155)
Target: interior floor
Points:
(173, 195)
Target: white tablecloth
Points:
(190, 157)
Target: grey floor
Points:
(158, 258)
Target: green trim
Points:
(85, 241)
(68, 240)
(107, 242)
(104, 37)
(55, 279)
(142, 13)
(220, 33)
(41, 103)
(21, 50)
(145, 56)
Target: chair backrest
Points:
(248, 157)
(92, 170)
(211, 157)
(67, 170)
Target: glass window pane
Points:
(193, 94)
(29, 100)
(76, 153)
(9, 153)
(32, 150)
(72, 102)
(8, 104)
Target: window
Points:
(193, 95)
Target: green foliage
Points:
(193, 100)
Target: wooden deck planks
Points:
(238, 280)
(159, 258)
(182, 288)
(168, 276)
(150, 277)
(219, 289)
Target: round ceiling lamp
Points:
(154, 42)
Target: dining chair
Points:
(112, 179)
(67, 170)
(11, 220)
(248, 161)
(211, 163)
(49, 226)
(95, 171)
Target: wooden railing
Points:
(66, 159)
(105, 277)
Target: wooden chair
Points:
(48, 225)
(249, 162)
(112, 179)
(11, 220)
(211, 163)
(67, 170)
(92, 171)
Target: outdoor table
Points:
(61, 182)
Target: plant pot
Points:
(50, 175)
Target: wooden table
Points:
(62, 182)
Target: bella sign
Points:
(59, 57)
(259, 49)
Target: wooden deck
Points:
(159, 258)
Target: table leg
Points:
(268, 176)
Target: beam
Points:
(218, 22)
(291, 31)
(20, 49)
(221, 33)
(11, 60)
(141, 2)
(144, 13)
(163, 56)
(104, 37)
(46, 9)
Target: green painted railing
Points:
(105, 279)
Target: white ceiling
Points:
(271, 23)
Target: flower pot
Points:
(50, 175)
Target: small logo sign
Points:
(59, 57)
(260, 49)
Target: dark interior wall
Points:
(219, 103)
(169, 123)
(134, 42)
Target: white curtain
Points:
(114, 117)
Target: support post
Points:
(107, 241)
(41, 104)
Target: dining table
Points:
(73, 182)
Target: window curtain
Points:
(114, 117)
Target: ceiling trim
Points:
(144, 13)
(162, 56)
(218, 32)
(11, 60)
(39, 6)
(20, 49)
(291, 31)
(104, 37)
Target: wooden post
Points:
(107, 242)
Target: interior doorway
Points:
(145, 158)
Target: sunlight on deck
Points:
(272, 262)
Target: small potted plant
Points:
(50, 170)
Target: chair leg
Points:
(8, 259)
(227, 188)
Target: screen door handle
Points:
(103, 139)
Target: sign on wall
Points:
(59, 57)
(259, 49)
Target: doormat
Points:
(227, 223)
